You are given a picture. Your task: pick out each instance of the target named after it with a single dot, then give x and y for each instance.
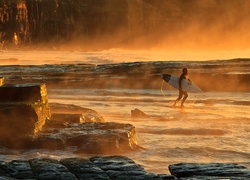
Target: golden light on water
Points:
(114, 56)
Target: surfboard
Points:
(186, 85)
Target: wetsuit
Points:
(181, 92)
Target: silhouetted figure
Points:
(181, 92)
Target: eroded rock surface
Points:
(74, 114)
(85, 131)
(209, 171)
(114, 168)
(50, 169)
(23, 111)
(91, 138)
(26, 122)
(34, 95)
(99, 168)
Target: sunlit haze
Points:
(113, 56)
(143, 30)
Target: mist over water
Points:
(12, 57)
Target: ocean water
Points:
(214, 126)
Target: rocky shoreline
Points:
(29, 121)
(114, 168)
(136, 75)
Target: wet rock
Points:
(17, 124)
(114, 168)
(19, 169)
(71, 113)
(136, 113)
(23, 111)
(64, 114)
(211, 170)
(46, 169)
(98, 167)
(121, 167)
(84, 168)
(23, 93)
(3, 173)
(90, 138)
(116, 163)
(35, 95)
(51, 125)
(213, 178)
(68, 118)
(167, 177)
(77, 118)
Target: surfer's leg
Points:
(184, 99)
(179, 97)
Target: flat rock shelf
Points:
(113, 168)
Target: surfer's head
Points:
(185, 71)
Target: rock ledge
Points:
(115, 168)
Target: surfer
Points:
(181, 92)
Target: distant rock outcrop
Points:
(135, 75)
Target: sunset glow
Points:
(98, 61)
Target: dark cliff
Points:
(24, 22)
(122, 23)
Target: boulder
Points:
(19, 169)
(17, 124)
(71, 113)
(46, 168)
(23, 111)
(101, 138)
(64, 114)
(3, 172)
(32, 92)
(33, 95)
(84, 169)
(121, 167)
(136, 113)
(68, 118)
(209, 171)
(69, 128)
(77, 118)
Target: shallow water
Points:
(213, 127)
